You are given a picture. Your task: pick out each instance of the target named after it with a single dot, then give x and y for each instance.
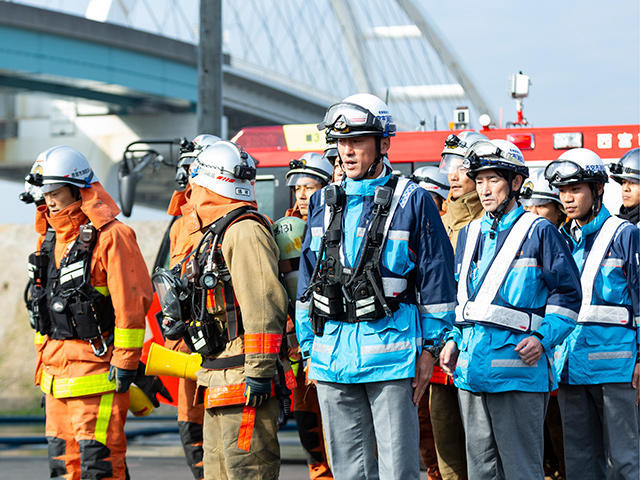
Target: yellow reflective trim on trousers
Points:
(103, 290)
(104, 415)
(39, 338)
(76, 387)
(128, 337)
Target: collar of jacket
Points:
(595, 224)
(631, 214)
(95, 204)
(295, 212)
(365, 188)
(464, 209)
(505, 222)
(179, 198)
(67, 222)
(207, 207)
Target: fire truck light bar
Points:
(562, 141)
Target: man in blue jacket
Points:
(375, 297)
(518, 297)
(597, 365)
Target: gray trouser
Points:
(360, 417)
(600, 431)
(504, 434)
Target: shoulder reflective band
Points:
(104, 415)
(481, 309)
(262, 342)
(128, 337)
(77, 386)
(247, 422)
(473, 234)
(395, 201)
(600, 313)
(39, 338)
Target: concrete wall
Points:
(17, 359)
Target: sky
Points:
(583, 57)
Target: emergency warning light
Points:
(524, 141)
(565, 140)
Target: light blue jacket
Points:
(595, 353)
(542, 279)
(416, 262)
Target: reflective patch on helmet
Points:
(243, 192)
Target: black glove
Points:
(151, 385)
(257, 391)
(123, 377)
(173, 329)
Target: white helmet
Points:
(432, 179)
(188, 153)
(309, 165)
(495, 155)
(627, 168)
(226, 169)
(60, 166)
(537, 191)
(33, 193)
(357, 115)
(578, 165)
(455, 148)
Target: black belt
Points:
(223, 363)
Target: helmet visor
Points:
(563, 170)
(451, 163)
(305, 178)
(345, 117)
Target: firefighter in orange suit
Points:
(91, 293)
(232, 311)
(190, 416)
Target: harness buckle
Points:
(98, 345)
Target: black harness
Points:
(212, 293)
(63, 304)
(351, 294)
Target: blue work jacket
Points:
(595, 353)
(416, 261)
(541, 280)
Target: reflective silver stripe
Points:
(610, 355)
(385, 348)
(525, 262)
(360, 231)
(31, 269)
(321, 298)
(397, 195)
(365, 301)
(610, 314)
(322, 347)
(565, 312)
(612, 262)
(500, 316)
(72, 271)
(393, 286)
(498, 270)
(303, 305)
(436, 307)
(316, 231)
(509, 363)
(402, 235)
(319, 305)
(365, 310)
(592, 265)
(473, 234)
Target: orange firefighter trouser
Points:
(86, 436)
(306, 411)
(190, 419)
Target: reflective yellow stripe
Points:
(104, 415)
(39, 338)
(103, 290)
(128, 337)
(76, 387)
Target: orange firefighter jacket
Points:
(69, 367)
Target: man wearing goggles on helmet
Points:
(626, 172)
(373, 241)
(305, 177)
(597, 365)
(518, 297)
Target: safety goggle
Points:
(344, 117)
(451, 162)
(477, 156)
(619, 169)
(429, 180)
(562, 170)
